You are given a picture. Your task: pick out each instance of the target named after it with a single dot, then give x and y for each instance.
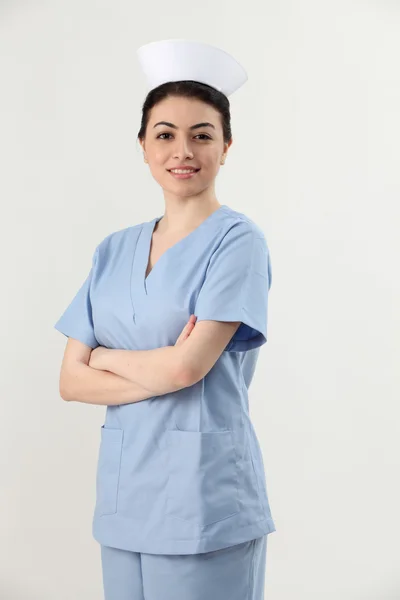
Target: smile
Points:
(183, 173)
(183, 170)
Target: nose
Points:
(182, 150)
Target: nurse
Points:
(165, 332)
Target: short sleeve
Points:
(76, 321)
(236, 286)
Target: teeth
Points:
(183, 171)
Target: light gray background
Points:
(315, 162)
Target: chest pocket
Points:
(202, 476)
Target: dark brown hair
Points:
(188, 89)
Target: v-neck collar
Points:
(142, 253)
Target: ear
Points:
(141, 142)
(227, 145)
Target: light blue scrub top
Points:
(180, 473)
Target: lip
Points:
(185, 167)
(183, 175)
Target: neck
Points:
(184, 214)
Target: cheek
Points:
(208, 160)
(213, 157)
(159, 157)
(157, 154)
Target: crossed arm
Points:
(108, 376)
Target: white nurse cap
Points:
(178, 60)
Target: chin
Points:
(180, 185)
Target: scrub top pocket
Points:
(108, 470)
(202, 476)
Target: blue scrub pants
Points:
(233, 573)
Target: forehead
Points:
(183, 112)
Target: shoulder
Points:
(236, 225)
(117, 240)
(243, 243)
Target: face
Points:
(176, 142)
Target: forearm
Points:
(158, 370)
(91, 386)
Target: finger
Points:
(182, 334)
(186, 331)
(189, 331)
(188, 328)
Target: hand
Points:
(97, 357)
(186, 331)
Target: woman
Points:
(181, 503)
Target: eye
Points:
(200, 134)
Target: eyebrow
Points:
(197, 126)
